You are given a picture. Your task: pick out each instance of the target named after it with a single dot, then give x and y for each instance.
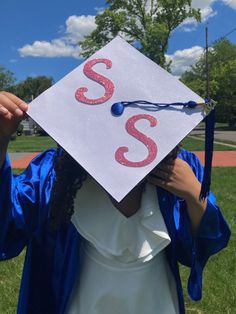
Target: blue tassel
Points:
(118, 108)
(209, 145)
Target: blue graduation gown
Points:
(53, 258)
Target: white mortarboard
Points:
(118, 150)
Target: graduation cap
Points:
(119, 114)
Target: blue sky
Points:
(39, 37)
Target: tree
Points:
(7, 78)
(222, 73)
(32, 87)
(147, 24)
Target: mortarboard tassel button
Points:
(117, 109)
(192, 104)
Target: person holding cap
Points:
(108, 261)
(108, 239)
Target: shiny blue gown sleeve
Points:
(24, 203)
(212, 235)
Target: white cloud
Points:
(190, 24)
(99, 10)
(183, 59)
(65, 46)
(207, 12)
(188, 29)
(79, 26)
(55, 48)
(202, 4)
(230, 3)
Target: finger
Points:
(165, 167)
(3, 111)
(157, 181)
(16, 100)
(163, 175)
(11, 106)
(5, 114)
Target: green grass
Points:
(10, 275)
(218, 126)
(226, 142)
(224, 126)
(223, 141)
(17, 171)
(31, 143)
(193, 144)
(219, 280)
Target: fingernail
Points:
(18, 112)
(23, 106)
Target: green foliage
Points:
(6, 78)
(32, 87)
(145, 24)
(222, 73)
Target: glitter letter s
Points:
(147, 141)
(105, 82)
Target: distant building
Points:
(28, 127)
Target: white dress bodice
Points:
(124, 269)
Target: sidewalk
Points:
(220, 159)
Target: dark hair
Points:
(173, 154)
(69, 178)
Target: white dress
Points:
(124, 268)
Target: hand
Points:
(12, 112)
(177, 177)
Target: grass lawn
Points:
(193, 144)
(218, 126)
(31, 144)
(40, 143)
(219, 280)
(228, 142)
(10, 275)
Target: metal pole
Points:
(207, 66)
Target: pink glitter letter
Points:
(105, 82)
(147, 141)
